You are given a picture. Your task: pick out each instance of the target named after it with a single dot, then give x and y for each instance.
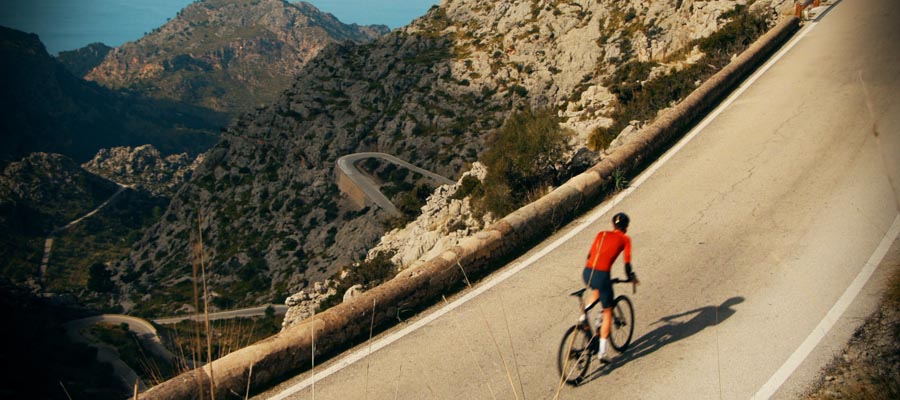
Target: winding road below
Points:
(147, 333)
(346, 165)
(763, 239)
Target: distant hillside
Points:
(144, 168)
(46, 108)
(44, 192)
(227, 55)
(37, 194)
(81, 61)
(431, 93)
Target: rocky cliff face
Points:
(273, 221)
(227, 55)
(445, 220)
(144, 168)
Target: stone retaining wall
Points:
(347, 186)
(336, 329)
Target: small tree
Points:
(522, 156)
(99, 279)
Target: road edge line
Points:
(834, 314)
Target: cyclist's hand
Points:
(632, 277)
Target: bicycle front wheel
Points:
(574, 353)
(622, 326)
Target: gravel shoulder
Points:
(869, 366)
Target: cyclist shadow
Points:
(672, 330)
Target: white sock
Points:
(603, 346)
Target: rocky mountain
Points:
(52, 186)
(46, 108)
(81, 61)
(144, 168)
(227, 55)
(273, 220)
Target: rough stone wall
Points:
(348, 187)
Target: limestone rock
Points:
(352, 292)
(143, 167)
(304, 303)
(444, 222)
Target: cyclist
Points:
(606, 248)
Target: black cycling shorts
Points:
(600, 280)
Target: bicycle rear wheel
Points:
(622, 324)
(575, 353)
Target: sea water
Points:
(71, 24)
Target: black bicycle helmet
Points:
(620, 221)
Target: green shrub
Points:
(369, 274)
(521, 157)
(99, 279)
(470, 185)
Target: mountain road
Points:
(346, 165)
(762, 240)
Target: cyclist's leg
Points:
(606, 298)
(591, 281)
(607, 323)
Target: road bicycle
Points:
(580, 343)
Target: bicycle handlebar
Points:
(633, 283)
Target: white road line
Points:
(593, 217)
(817, 334)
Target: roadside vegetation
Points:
(639, 98)
(522, 161)
(187, 340)
(368, 274)
(225, 336)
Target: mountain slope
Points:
(272, 218)
(46, 108)
(227, 55)
(38, 194)
(81, 61)
(143, 167)
(41, 194)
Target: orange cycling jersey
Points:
(606, 248)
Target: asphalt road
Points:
(105, 353)
(280, 309)
(762, 241)
(370, 188)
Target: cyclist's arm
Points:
(629, 272)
